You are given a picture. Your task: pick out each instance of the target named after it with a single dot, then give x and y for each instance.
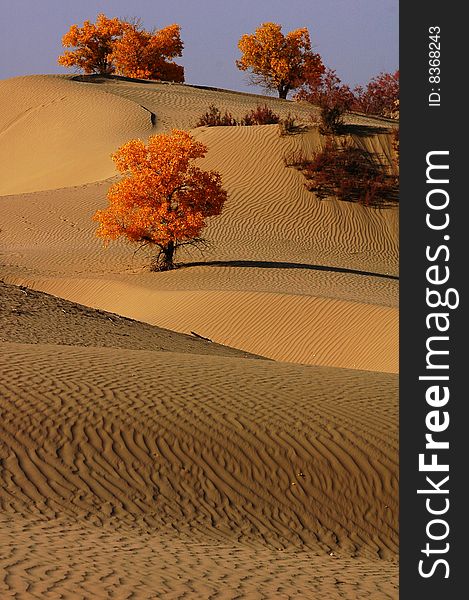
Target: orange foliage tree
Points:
(93, 45)
(277, 61)
(139, 53)
(115, 46)
(163, 199)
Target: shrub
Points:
(214, 118)
(350, 174)
(332, 120)
(332, 96)
(380, 96)
(296, 159)
(261, 115)
(288, 125)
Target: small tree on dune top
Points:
(380, 95)
(277, 61)
(115, 46)
(145, 55)
(163, 199)
(93, 45)
(331, 95)
(326, 90)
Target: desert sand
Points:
(139, 460)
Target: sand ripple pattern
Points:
(232, 448)
(269, 206)
(62, 559)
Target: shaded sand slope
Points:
(294, 328)
(259, 287)
(31, 317)
(273, 458)
(77, 560)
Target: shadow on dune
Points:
(263, 264)
(364, 130)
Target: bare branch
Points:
(146, 243)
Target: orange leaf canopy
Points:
(93, 43)
(276, 60)
(146, 55)
(163, 196)
(115, 46)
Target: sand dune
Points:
(153, 438)
(270, 220)
(218, 449)
(140, 461)
(47, 127)
(287, 327)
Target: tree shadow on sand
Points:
(262, 264)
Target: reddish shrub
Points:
(350, 174)
(288, 125)
(261, 115)
(214, 118)
(332, 120)
(380, 95)
(333, 97)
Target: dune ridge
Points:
(52, 122)
(300, 329)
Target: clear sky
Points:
(358, 38)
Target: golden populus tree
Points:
(93, 45)
(144, 55)
(164, 199)
(115, 46)
(277, 61)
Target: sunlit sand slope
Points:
(286, 275)
(55, 133)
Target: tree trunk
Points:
(168, 255)
(283, 91)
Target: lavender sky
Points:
(358, 38)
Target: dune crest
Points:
(48, 139)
